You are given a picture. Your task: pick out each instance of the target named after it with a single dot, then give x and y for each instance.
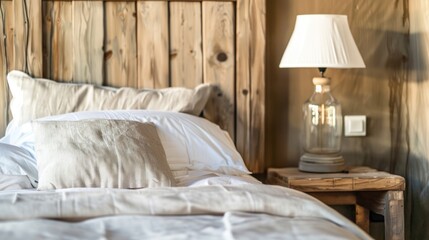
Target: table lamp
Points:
(322, 41)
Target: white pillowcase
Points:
(36, 97)
(100, 153)
(190, 142)
(17, 161)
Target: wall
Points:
(393, 38)
(147, 44)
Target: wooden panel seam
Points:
(219, 62)
(250, 85)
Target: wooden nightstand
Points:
(379, 192)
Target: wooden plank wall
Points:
(147, 44)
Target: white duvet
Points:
(211, 204)
(247, 211)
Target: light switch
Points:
(355, 125)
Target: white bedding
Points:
(14, 182)
(231, 225)
(218, 212)
(213, 200)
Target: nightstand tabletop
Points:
(366, 188)
(346, 181)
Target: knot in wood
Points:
(108, 55)
(222, 57)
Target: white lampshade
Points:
(322, 41)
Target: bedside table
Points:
(379, 192)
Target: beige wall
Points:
(382, 39)
(393, 91)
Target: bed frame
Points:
(147, 44)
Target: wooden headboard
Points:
(147, 44)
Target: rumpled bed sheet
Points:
(206, 212)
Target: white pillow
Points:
(190, 142)
(17, 161)
(100, 153)
(35, 98)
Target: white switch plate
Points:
(355, 125)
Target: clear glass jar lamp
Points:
(322, 130)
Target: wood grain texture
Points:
(316, 182)
(58, 40)
(394, 213)
(362, 217)
(185, 44)
(28, 36)
(153, 44)
(219, 62)
(390, 204)
(157, 44)
(88, 37)
(250, 84)
(120, 44)
(20, 34)
(133, 0)
(379, 192)
(6, 60)
(4, 92)
(335, 199)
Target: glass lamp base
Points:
(321, 163)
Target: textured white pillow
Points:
(190, 142)
(34, 98)
(100, 153)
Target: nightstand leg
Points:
(362, 217)
(394, 215)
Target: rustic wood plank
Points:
(316, 182)
(250, 85)
(47, 26)
(58, 40)
(219, 62)
(335, 198)
(6, 60)
(385, 198)
(394, 215)
(185, 44)
(9, 45)
(362, 217)
(390, 204)
(20, 35)
(120, 44)
(153, 44)
(88, 37)
(34, 48)
(139, 0)
(4, 92)
(28, 36)
(135, 0)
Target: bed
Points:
(142, 120)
